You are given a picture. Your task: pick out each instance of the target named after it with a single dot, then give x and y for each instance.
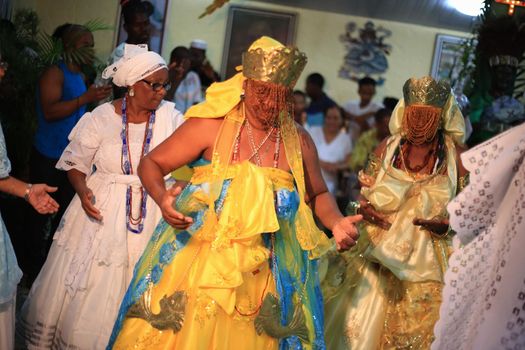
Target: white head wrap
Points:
(199, 44)
(136, 64)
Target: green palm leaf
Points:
(97, 24)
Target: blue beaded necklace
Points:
(135, 225)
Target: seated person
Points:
(319, 101)
(362, 111)
(333, 146)
(299, 107)
(370, 139)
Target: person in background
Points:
(333, 146)
(75, 298)
(365, 145)
(135, 14)
(319, 101)
(201, 65)
(62, 97)
(299, 107)
(369, 140)
(390, 102)
(10, 274)
(363, 110)
(185, 84)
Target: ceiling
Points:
(433, 13)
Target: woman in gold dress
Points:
(385, 292)
(234, 265)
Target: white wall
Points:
(317, 35)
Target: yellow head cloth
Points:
(266, 60)
(223, 100)
(452, 121)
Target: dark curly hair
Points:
(132, 7)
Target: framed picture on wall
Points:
(448, 52)
(245, 25)
(157, 21)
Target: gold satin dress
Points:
(385, 293)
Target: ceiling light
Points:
(467, 7)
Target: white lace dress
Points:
(484, 296)
(10, 273)
(75, 299)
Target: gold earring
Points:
(131, 92)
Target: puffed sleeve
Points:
(84, 141)
(5, 165)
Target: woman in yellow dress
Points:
(385, 293)
(234, 265)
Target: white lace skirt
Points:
(75, 299)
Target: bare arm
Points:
(38, 195)
(186, 144)
(51, 84)
(192, 139)
(322, 202)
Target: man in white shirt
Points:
(362, 112)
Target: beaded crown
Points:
(270, 61)
(426, 91)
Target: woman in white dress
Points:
(333, 145)
(74, 301)
(10, 274)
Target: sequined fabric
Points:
(484, 294)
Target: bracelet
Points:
(27, 193)
(353, 208)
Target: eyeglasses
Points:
(158, 86)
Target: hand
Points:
(87, 198)
(94, 93)
(41, 200)
(372, 216)
(345, 232)
(208, 70)
(438, 227)
(172, 216)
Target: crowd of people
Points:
(301, 224)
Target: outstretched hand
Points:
(169, 213)
(40, 199)
(438, 227)
(345, 232)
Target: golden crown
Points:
(426, 91)
(269, 61)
